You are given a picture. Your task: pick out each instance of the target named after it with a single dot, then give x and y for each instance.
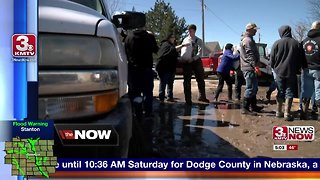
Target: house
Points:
(211, 48)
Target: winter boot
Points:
(279, 113)
(254, 106)
(304, 109)
(245, 108)
(287, 110)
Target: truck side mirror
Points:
(129, 20)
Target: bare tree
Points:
(113, 6)
(314, 7)
(300, 30)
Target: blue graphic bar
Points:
(20, 68)
(189, 164)
(32, 28)
(6, 64)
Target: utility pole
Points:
(204, 44)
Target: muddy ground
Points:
(219, 129)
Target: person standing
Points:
(249, 60)
(166, 67)
(139, 46)
(310, 77)
(272, 87)
(286, 55)
(194, 65)
(239, 80)
(223, 70)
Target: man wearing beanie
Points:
(223, 70)
(249, 59)
(194, 65)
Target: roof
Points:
(212, 47)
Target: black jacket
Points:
(287, 55)
(167, 57)
(139, 46)
(311, 48)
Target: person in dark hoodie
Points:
(223, 70)
(310, 77)
(166, 67)
(249, 60)
(139, 46)
(286, 57)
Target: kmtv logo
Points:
(293, 133)
(86, 134)
(24, 45)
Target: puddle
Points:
(185, 131)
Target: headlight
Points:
(72, 107)
(71, 82)
(76, 50)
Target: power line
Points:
(220, 19)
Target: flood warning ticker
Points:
(229, 164)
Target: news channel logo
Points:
(84, 134)
(24, 47)
(293, 133)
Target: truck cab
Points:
(83, 73)
(265, 68)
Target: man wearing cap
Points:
(249, 59)
(310, 77)
(194, 65)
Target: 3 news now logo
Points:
(293, 133)
(84, 134)
(24, 45)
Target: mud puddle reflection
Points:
(186, 131)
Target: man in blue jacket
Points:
(223, 71)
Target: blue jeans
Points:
(306, 88)
(310, 83)
(166, 79)
(251, 84)
(285, 87)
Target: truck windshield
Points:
(93, 4)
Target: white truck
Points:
(83, 72)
